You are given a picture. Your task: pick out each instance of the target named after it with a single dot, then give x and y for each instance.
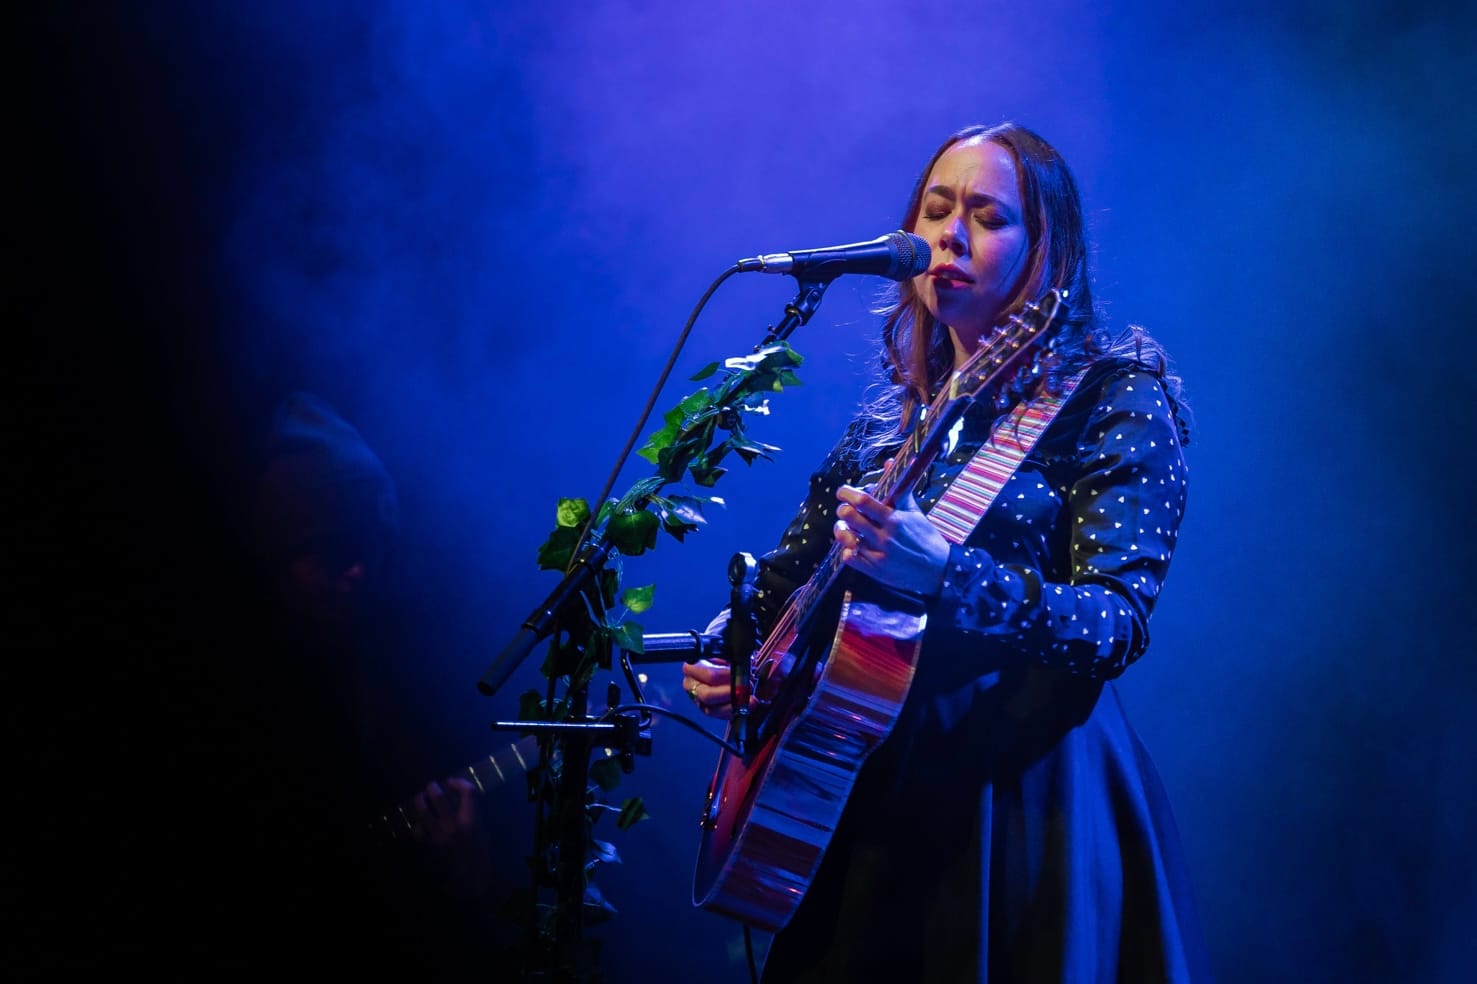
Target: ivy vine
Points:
(699, 437)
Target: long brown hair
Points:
(917, 354)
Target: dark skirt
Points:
(1012, 829)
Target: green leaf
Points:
(749, 449)
(640, 491)
(676, 529)
(634, 532)
(558, 549)
(645, 488)
(672, 461)
(662, 439)
(628, 635)
(633, 811)
(696, 403)
(606, 772)
(704, 372)
(702, 434)
(603, 852)
(652, 451)
(708, 477)
(572, 512)
(778, 355)
(597, 909)
(681, 515)
(638, 600)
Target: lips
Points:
(950, 276)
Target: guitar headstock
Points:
(1005, 346)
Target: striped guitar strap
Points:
(964, 503)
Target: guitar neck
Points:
(908, 466)
(898, 479)
(399, 823)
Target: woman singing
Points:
(1011, 827)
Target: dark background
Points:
(475, 229)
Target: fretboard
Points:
(399, 822)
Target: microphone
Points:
(678, 647)
(896, 256)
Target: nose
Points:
(953, 237)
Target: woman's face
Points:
(971, 218)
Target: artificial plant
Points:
(698, 436)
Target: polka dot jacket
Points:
(1068, 561)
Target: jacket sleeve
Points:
(1125, 502)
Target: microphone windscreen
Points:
(910, 255)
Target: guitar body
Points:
(771, 814)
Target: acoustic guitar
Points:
(831, 677)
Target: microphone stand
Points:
(800, 310)
(541, 621)
(557, 950)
